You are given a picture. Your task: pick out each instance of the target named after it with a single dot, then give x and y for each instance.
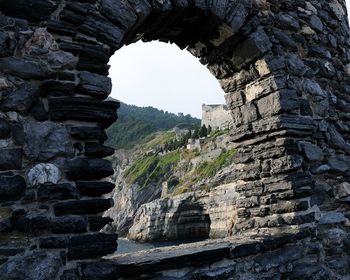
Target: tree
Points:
(203, 132)
(195, 134)
(209, 129)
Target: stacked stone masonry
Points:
(285, 69)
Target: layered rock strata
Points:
(284, 67)
(194, 215)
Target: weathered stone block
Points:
(246, 249)
(5, 45)
(279, 257)
(88, 169)
(10, 159)
(39, 112)
(289, 207)
(51, 191)
(339, 164)
(256, 45)
(98, 150)
(312, 152)
(94, 189)
(92, 246)
(5, 131)
(82, 207)
(234, 99)
(331, 218)
(70, 274)
(17, 132)
(37, 11)
(88, 133)
(120, 13)
(44, 173)
(53, 88)
(106, 32)
(62, 28)
(22, 69)
(101, 270)
(27, 224)
(36, 265)
(97, 86)
(53, 242)
(260, 88)
(6, 219)
(71, 224)
(46, 140)
(278, 102)
(21, 99)
(11, 187)
(83, 109)
(248, 203)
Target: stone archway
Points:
(283, 65)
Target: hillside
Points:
(155, 172)
(137, 123)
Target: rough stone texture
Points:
(44, 173)
(88, 169)
(11, 159)
(189, 216)
(264, 257)
(11, 187)
(34, 266)
(95, 85)
(284, 67)
(47, 140)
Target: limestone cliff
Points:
(193, 215)
(176, 195)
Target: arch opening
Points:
(178, 71)
(282, 66)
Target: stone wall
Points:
(216, 116)
(284, 67)
(295, 256)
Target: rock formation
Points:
(135, 205)
(284, 68)
(194, 215)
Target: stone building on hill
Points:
(216, 116)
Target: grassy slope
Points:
(152, 167)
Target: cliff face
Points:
(200, 205)
(193, 215)
(127, 198)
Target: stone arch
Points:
(283, 67)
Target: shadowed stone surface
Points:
(91, 206)
(44, 141)
(36, 266)
(88, 169)
(11, 187)
(284, 68)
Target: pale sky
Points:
(163, 76)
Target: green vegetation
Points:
(158, 139)
(205, 170)
(135, 124)
(151, 168)
(208, 169)
(217, 133)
